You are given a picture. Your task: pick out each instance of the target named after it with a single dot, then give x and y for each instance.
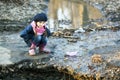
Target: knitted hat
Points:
(40, 17)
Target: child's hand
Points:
(45, 34)
(35, 34)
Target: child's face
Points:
(40, 23)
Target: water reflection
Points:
(71, 13)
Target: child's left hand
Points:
(45, 33)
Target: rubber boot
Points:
(32, 50)
(42, 49)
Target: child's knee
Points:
(39, 37)
(44, 40)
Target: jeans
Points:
(37, 40)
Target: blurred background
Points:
(16, 14)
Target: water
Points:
(71, 13)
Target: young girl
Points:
(36, 33)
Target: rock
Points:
(5, 56)
(96, 58)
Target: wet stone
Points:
(99, 42)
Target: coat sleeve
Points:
(25, 32)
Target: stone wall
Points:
(18, 13)
(110, 8)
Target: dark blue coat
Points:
(28, 32)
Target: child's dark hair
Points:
(40, 17)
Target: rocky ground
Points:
(68, 55)
(110, 8)
(93, 54)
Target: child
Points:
(36, 33)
